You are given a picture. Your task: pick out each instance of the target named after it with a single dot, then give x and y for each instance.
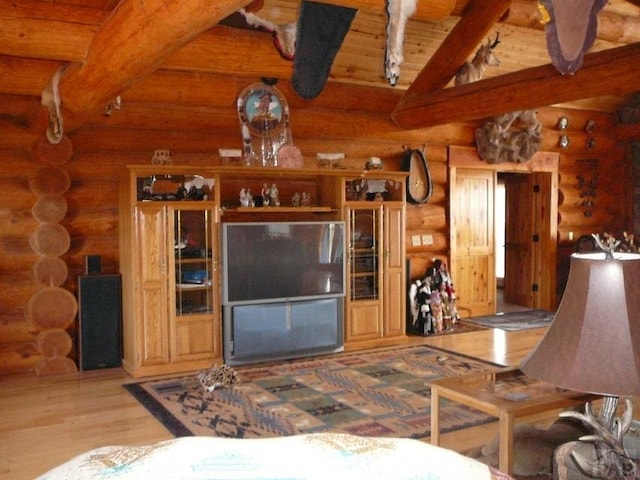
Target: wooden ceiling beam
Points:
(609, 72)
(477, 19)
(133, 42)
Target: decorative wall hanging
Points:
(563, 123)
(588, 184)
(266, 132)
(590, 142)
(284, 35)
(398, 12)
(570, 30)
(511, 137)
(419, 183)
(51, 100)
(563, 141)
(320, 33)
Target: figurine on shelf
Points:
(305, 201)
(274, 193)
(295, 200)
(265, 195)
(246, 200)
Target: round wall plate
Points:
(261, 108)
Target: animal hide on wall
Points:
(320, 32)
(512, 137)
(398, 12)
(570, 30)
(284, 35)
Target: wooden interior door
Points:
(471, 198)
(519, 239)
(472, 240)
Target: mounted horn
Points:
(51, 100)
(495, 43)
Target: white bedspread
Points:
(309, 457)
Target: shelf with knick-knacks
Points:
(277, 190)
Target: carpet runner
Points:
(514, 321)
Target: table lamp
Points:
(593, 346)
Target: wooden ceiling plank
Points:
(42, 10)
(425, 10)
(133, 42)
(477, 20)
(613, 71)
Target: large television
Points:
(282, 261)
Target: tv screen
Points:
(276, 261)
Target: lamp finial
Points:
(608, 245)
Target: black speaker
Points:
(99, 321)
(92, 264)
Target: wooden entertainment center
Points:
(170, 223)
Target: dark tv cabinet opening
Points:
(260, 332)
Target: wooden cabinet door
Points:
(194, 318)
(151, 268)
(472, 240)
(364, 276)
(394, 298)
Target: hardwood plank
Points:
(62, 416)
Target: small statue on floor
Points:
(217, 376)
(447, 322)
(436, 309)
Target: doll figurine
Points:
(436, 310)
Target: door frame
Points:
(546, 209)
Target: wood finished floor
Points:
(45, 421)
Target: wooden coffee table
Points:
(506, 394)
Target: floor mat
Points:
(382, 393)
(514, 321)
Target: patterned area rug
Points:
(514, 321)
(384, 393)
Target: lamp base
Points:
(604, 454)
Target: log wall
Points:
(336, 121)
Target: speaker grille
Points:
(99, 321)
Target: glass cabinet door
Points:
(193, 252)
(364, 254)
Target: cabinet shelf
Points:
(192, 286)
(282, 209)
(186, 261)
